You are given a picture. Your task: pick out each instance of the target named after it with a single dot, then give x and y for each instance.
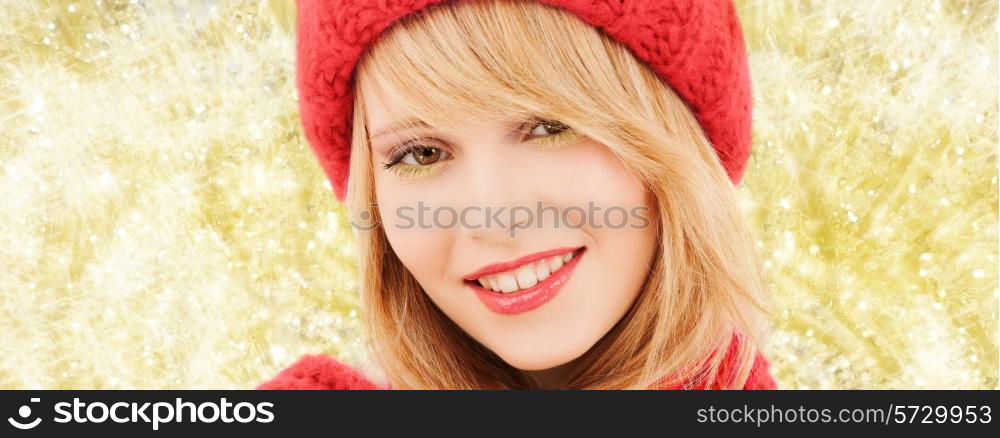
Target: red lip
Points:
(530, 298)
(506, 266)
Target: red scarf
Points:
(323, 372)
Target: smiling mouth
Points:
(526, 283)
(525, 274)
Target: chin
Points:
(537, 359)
(536, 363)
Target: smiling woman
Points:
(482, 106)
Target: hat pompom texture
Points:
(695, 46)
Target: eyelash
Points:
(400, 152)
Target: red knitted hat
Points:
(695, 46)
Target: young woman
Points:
(609, 134)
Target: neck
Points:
(553, 378)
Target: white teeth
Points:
(555, 263)
(542, 271)
(507, 283)
(526, 276)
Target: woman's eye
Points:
(551, 133)
(413, 160)
(416, 160)
(423, 156)
(547, 127)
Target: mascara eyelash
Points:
(396, 154)
(551, 140)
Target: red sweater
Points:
(323, 372)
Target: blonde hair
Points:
(491, 60)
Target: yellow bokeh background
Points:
(163, 223)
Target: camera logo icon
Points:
(25, 412)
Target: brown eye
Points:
(547, 127)
(422, 156)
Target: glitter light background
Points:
(163, 223)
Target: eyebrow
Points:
(401, 125)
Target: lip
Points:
(513, 264)
(532, 297)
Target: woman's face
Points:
(538, 294)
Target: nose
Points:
(496, 201)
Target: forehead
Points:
(386, 111)
(381, 108)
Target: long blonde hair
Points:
(490, 60)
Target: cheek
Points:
(599, 188)
(621, 228)
(621, 219)
(424, 250)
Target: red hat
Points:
(695, 46)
